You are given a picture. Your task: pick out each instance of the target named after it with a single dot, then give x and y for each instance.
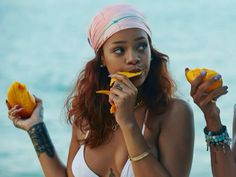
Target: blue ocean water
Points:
(43, 44)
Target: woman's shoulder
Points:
(79, 134)
(177, 104)
(178, 111)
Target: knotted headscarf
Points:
(113, 19)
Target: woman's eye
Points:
(118, 51)
(142, 47)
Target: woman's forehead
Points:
(133, 34)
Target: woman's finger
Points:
(195, 84)
(214, 95)
(8, 105)
(203, 87)
(112, 98)
(124, 79)
(119, 88)
(13, 109)
(15, 113)
(38, 100)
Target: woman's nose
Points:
(132, 58)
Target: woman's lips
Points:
(137, 77)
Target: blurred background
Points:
(43, 44)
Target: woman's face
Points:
(128, 50)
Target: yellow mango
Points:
(191, 75)
(113, 109)
(106, 92)
(127, 74)
(18, 94)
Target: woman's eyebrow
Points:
(123, 42)
(119, 42)
(139, 38)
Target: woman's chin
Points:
(138, 82)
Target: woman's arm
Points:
(175, 145)
(50, 163)
(177, 140)
(222, 159)
(74, 147)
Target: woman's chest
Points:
(113, 155)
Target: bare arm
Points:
(175, 143)
(222, 161)
(50, 163)
(176, 151)
(74, 147)
(177, 140)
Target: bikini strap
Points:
(145, 120)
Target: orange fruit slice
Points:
(18, 94)
(191, 75)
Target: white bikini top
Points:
(81, 169)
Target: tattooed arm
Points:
(50, 163)
(44, 148)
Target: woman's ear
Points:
(103, 62)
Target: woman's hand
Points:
(207, 100)
(25, 124)
(123, 94)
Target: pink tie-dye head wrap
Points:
(112, 19)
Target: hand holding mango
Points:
(18, 94)
(191, 75)
(107, 92)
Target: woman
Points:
(222, 157)
(151, 132)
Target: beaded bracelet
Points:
(217, 138)
(139, 157)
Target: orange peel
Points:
(18, 94)
(191, 75)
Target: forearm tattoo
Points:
(41, 140)
(111, 174)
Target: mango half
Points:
(18, 94)
(191, 75)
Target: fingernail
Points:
(225, 87)
(217, 77)
(203, 73)
(186, 69)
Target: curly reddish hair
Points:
(90, 111)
